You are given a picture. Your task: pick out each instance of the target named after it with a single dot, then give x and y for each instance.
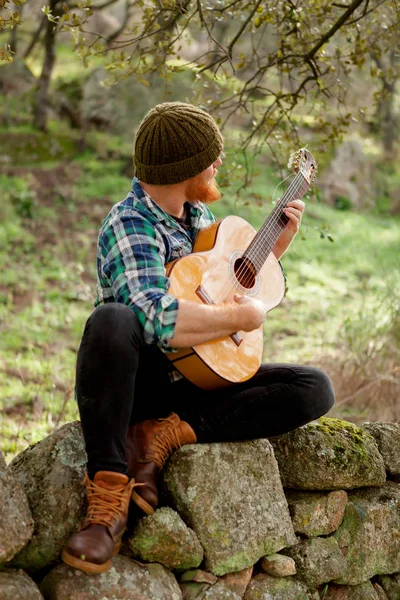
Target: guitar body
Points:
(214, 273)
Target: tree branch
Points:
(353, 6)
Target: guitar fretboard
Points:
(266, 238)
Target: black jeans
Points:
(120, 381)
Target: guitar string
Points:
(267, 233)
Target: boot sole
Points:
(145, 506)
(86, 566)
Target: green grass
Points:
(47, 260)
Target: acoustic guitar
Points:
(229, 257)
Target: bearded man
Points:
(135, 408)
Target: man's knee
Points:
(113, 321)
(320, 392)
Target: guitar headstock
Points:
(303, 162)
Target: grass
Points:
(50, 213)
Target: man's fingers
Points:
(292, 212)
(299, 204)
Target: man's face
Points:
(203, 187)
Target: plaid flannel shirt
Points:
(135, 242)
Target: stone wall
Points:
(314, 514)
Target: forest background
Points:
(75, 80)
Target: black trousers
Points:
(120, 381)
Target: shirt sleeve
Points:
(133, 262)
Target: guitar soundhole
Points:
(245, 273)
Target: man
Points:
(135, 409)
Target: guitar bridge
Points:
(204, 297)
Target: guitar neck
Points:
(266, 238)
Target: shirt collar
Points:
(196, 209)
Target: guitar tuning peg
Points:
(292, 160)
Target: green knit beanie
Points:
(174, 142)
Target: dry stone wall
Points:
(311, 515)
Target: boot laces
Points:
(166, 440)
(104, 505)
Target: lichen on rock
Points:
(328, 454)
(127, 579)
(363, 591)
(51, 474)
(16, 585)
(318, 560)
(265, 587)
(164, 538)
(231, 495)
(16, 523)
(316, 513)
(387, 437)
(369, 534)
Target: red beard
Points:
(197, 191)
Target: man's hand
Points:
(294, 211)
(252, 314)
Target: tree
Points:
(54, 11)
(257, 62)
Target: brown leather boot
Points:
(148, 445)
(100, 533)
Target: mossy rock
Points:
(125, 580)
(230, 494)
(51, 474)
(329, 454)
(265, 587)
(164, 538)
(369, 534)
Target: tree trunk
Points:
(387, 122)
(41, 107)
(13, 36)
(35, 37)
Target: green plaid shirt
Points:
(136, 241)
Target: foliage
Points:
(9, 19)
(257, 64)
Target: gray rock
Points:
(199, 576)
(278, 565)
(193, 590)
(16, 523)
(164, 538)
(220, 591)
(127, 579)
(390, 585)
(314, 513)
(16, 78)
(16, 585)
(97, 106)
(329, 454)
(349, 176)
(318, 560)
(265, 587)
(369, 534)
(363, 591)
(231, 495)
(387, 437)
(51, 473)
(380, 592)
